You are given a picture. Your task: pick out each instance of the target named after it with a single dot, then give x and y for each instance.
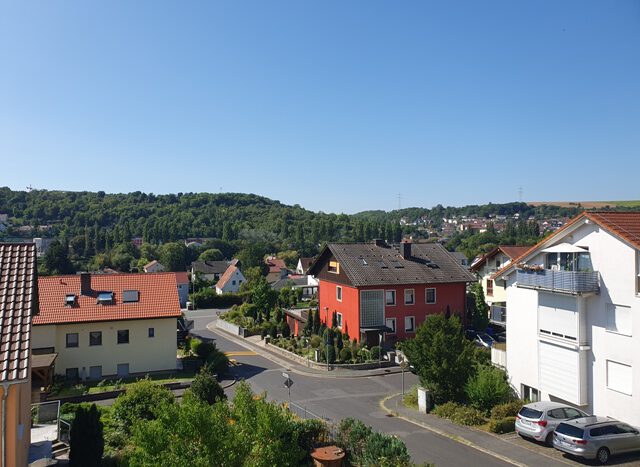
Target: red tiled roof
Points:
(18, 303)
(513, 251)
(157, 298)
(623, 224)
(275, 264)
(182, 277)
(226, 276)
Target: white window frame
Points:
(615, 389)
(413, 328)
(426, 296)
(413, 296)
(395, 298)
(386, 323)
(527, 391)
(339, 319)
(338, 293)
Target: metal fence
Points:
(561, 281)
(45, 421)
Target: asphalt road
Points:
(338, 398)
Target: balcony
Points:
(498, 314)
(569, 282)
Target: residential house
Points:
(462, 258)
(18, 305)
(210, 270)
(182, 282)
(296, 320)
(495, 293)
(153, 266)
(230, 281)
(308, 285)
(377, 290)
(303, 265)
(574, 333)
(277, 269)
(108, 324)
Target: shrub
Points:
(208, 298)
(508, 409)
(316, 341)
(487, 388)
(141, 400)
(217, 362)
(194, 345)
(273, 331)
(345, 354)
(446, 410)
(364, 447)
(503, 425)
(86, 438)
(410, 398)
(460, 414)
(376, 352)
(332, 353)
(206, 388)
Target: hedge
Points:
(503, 425)
(208, 298)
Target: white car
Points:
(539, 420)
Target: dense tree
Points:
(141, 401)
(86, 439)
(442, 357)
(56, 260)
(212, 254)
(174, 256)
(205, 387)
(480, 309)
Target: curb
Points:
(289, 364)
(447, 435)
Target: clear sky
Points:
(335, 105)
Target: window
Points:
(409, 297)
(123, 370)
(530, 394)
(558, 414)
(105, 298)
(70, 300)
(130, 296)
(95, 372)
(572, 413)
(72, 339)
(152, 332)
(498, 263)
(489, 287)
(390, 297)
(72, 374)
(339, 319)
(334, 267)
(619, 377)
(338, 293)
(95, 338)
(233, 282)
(391, 324)
(409, 324)
(430, 296)
(619, 319)
(123, 336)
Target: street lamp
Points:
(326, 308)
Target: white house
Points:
(573, 329)
(153, 266)
(230, 281)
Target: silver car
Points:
(596, 438)
(539, 419)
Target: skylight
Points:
(70, 300)
(383, 265)
(129, 296)
(396, 264)
(105, 298)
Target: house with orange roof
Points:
(230, 281)
(108, 325)
(277, 269)
(18, 305)
(573, 329)
(494, 290)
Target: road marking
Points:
(240, 353)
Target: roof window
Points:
(396, 264)
(130, 296)
(105, 298)
(70, 300)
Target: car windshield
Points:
(528, 412)
(570, 430)
(485, 337)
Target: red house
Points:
(380, 291)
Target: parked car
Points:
(501, 336)
(539, 419)
(596, 438)
(484, 339)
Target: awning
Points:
(564, 248)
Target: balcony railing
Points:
(573, 282)
(498, 314)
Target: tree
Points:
(479, 313)
(141, 401)
(56, 259)
(212, 254)
(205, 387)
(488, 388)
(441, 356)
(86, 438)
(174, 256)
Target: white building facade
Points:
(573, 328)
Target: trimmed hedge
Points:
(208, 298)
(460, 414)
(508, 409)
(503, 425)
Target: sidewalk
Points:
(258, 345)
(486, 442)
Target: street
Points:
(338, 398)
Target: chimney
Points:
(85, 283)
(379, 242)
(405, 250)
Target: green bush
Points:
(332, 353)
(376, 352)
(410, 399)
(206, 388)
(503, 425)
(487, 388)
(366, 448)
(508, 409)
(345, 354)
(316, 341)
(208, 298)
(141, 400)
(217, 362)
(273, 331)
(86, 438)
(460, 414)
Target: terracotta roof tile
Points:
(623, 224)
(18, 303)
(226, 276)
(182, 277)
(157, 298)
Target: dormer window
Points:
(70, 300)
(334, 267)
(105, 298)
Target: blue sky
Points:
(337, 106)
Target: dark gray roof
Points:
(286, 281)
(210, 267)
(368, 264)
(18, 302)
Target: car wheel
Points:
(549, 440)
(603, 455)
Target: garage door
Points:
(559, 371)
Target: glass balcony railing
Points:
(573, 282)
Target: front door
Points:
(123, 370)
